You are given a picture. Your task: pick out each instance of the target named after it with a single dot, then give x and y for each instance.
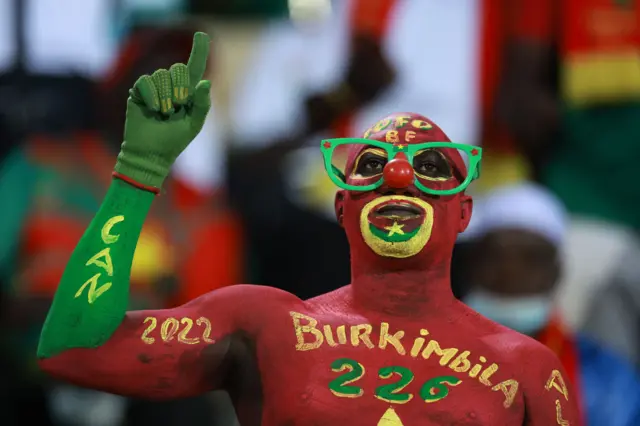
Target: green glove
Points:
(165, 112)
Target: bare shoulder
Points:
(536, 373)
(532, 369)
(259, 301)
(520, 349)
(513, 347)
(337, 299)
(252, 292)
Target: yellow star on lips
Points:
(394, 229)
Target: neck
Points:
(389, 287)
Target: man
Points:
(347, 356)
(519, 232)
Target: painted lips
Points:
(409, 215)
(399, 210)
(396, 225)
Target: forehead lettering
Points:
(422, 125)
(381, 125)
(392, 136)
(398, 123)
(401, 121)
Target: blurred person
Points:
(54, 184)
(569, 94)
(39, 50)
(30, 188)
(516, 264)
(401, 202)
(331, 70)
(47, 58)
(613, 317)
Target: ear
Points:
(339, 205)
(466, 208)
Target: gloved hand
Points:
(165, 112)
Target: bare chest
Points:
(332, 371)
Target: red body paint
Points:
(324, 361)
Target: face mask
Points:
(525, 314)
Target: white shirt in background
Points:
(433, 45)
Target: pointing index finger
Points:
(198, 58)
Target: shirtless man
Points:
(392, 348)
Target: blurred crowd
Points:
(549, 88)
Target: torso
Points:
(323, 366)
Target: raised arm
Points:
(88, 338)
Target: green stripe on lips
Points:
(393, 233)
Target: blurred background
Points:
(549, 88)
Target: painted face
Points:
(397, 220)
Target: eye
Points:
(370, 164)
(432, 163)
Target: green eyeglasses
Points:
(430, 166)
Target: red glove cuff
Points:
(138, 185)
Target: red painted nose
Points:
(398, 173)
